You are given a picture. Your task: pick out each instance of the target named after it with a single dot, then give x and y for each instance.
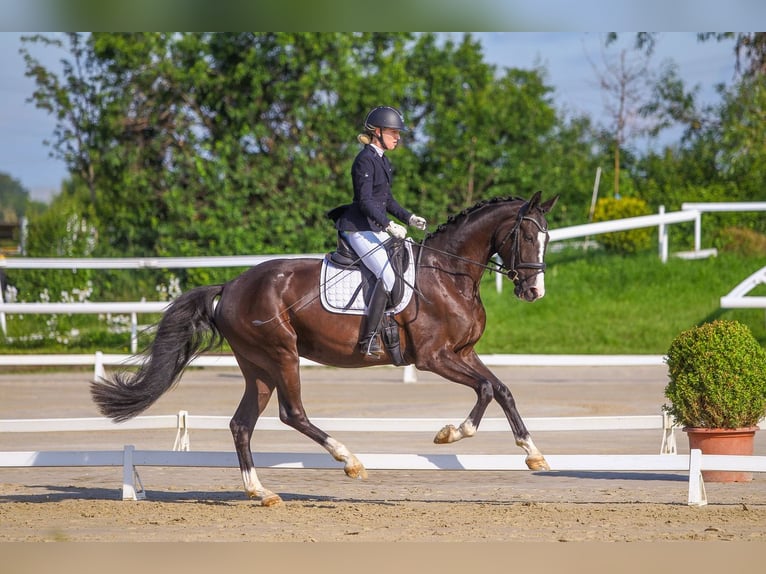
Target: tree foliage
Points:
(13, 199)
(235, 143)
(238, 143)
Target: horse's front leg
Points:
(470, 371)
(470, 425)
(535, 459)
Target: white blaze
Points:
(540, 277)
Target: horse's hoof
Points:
(356, 470)
(266, 499)
(537, 463)
(271, 500)
(446, 435)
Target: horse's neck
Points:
(469, 239)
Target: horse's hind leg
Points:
(292, 413)
(254, 401)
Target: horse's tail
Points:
(185, 331)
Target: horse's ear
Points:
(535, 200)
(548, 205)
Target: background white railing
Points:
(100, 360)
(690, 212)
(738, 297)
(134, 308)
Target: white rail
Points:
(689, 212)
(132, 308)
(717, 207)
(132, 489)
(183, 422)
(129, 458)
(738, 298)
(144, 262)
(100, 360)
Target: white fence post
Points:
(697, 495)
(698, 232)
(98, 367)
(133, 333)
(130, 476)
(663, 237)
(2, 314)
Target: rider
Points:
(365, 223)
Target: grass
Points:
(595, 303)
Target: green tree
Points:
(238, 143)
(482, 130)
(723, 159)
(749, 50)
(13, 199)
(217, 143)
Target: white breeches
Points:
(369, 246)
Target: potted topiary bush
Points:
(717, 390)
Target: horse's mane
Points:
(452, 219)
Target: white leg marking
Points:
(337, 450)
(535, 459)
(529, 447)
(253, 486)
(353, 467)
(467, 429)
(254, 489)
(450, 434)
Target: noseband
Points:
(511, 269)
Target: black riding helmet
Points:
(384, 117)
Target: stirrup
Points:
(370, 346)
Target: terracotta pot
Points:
(723, 441)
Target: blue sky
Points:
(564, 55)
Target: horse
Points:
(271, 315)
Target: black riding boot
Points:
(369, 342)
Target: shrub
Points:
(623, 242)
(717, 375)
(740, 240)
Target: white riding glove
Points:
(418, 222)
(396, 230)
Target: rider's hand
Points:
(396, 230)
(418, 222)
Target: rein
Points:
(509, 271)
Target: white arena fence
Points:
(129, 458)
(183, 422)
(101, 360)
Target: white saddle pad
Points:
(337, 284)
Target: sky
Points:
(565, 56)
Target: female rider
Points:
(365, 223)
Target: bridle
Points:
(510, 269)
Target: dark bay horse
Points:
(271, 315)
